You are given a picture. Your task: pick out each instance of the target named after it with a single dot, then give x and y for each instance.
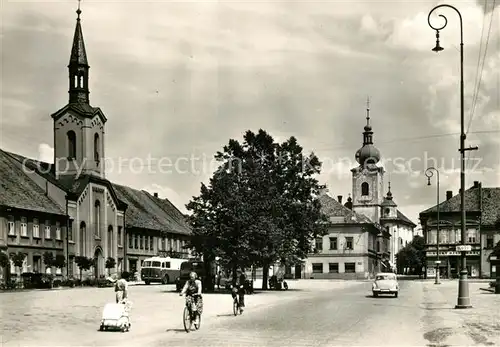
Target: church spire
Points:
(78, 66)
(389, 193)
(368, 133)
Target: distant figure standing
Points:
(121, 290)
(219, 275)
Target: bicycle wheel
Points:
(197, 326)
(187, 320)
(235, 307)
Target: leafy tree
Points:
(260, 206)
(5, 265)
(48, 259)
(83, 264)
(412, 256)
(110, 264)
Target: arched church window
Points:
(97, 218)
(76, 81)
(81, 82)
(83, 238)
(71, 144)
(96, 148)
(364, 189)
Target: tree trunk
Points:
(80, 274)
(265, 275)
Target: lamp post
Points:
(429, 173)
(463, 286)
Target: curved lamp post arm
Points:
(446, 21)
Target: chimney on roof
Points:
(155, 195)
(476, 184)
(449, 194)
(339, 198)
(348, 204)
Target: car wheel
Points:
(396, 295)
(375, 294)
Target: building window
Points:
(110, 241)
(71, 144)
(364, 188)
(378, 246)
(333, 268)
(471, 236)
(141, 241)
(349, 243)
(163, 242)
(130, 240)
(83, 238)
(119, 236)
(96, 148)
(24, 227)
(70, 231)
(11, 226)
(146, 242)
(350, 267)
(489, 241)
(333, 243)
(36, 228)
(97, 218)
(319, 244)
(136, 241)
(151, 243)
(47, 230)
(58, 231)
(71, 261)
(317, 268)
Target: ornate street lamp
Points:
(429, 173)
(463, 286)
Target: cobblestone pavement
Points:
(311, 313)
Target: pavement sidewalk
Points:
(479, 325)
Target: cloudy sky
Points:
(176, 80)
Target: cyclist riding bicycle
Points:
(238, 289)
(192, 289)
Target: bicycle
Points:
(189, 317)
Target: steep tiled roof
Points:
(405, 219)
(332, 208)
(453, 204)
(490, 215)
(18, 190)
(144, 212)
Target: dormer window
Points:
(71, 144)
(364, 189)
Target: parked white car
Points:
(385, 283)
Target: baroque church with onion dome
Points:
(366, 232)
(69, 208)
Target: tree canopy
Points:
(260, 206)
(412, 256)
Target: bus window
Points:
(162, 265)
(167, 265)
(156, 264)
(146, 264)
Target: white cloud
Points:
(164, 192)
(46, 153)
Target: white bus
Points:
(164, 270)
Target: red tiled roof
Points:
(18, 190)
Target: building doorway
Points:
(298, 271)
(98, 263)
